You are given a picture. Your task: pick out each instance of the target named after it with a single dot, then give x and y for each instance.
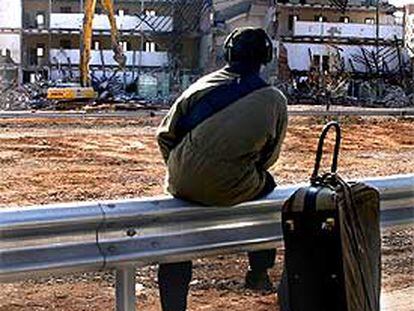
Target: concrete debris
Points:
(12, 97)
(380, 78)
(397, 98)
(28, 96)
(113, 94)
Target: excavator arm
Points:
(85, 91)
(86, 41)
(89, 11)
(119, 56)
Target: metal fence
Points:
(121, 235)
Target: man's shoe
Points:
(259, 281)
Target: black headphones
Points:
(230, 50)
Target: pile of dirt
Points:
(60, 160)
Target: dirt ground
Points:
(44, 161)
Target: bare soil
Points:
(58, 160)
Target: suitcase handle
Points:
(319, 152)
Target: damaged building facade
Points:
(409, 28)
(348, 50)
(10, 40)
(352, 49)
(231, 14)
(40, 39)
(409, 32)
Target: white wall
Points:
(101, 22)
(298, 55)
(10, 14)
(222, 4)
(343, 30)
(11, 17)
(410, 33)
(12, 43)
(149, 59)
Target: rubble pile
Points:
(112, 89)
(387, 96)
(112, 95)
(28, 96)
(396, 98)
(12, 97)
(379, 79)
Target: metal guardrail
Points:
(408, 112)
(357, 113)
(79, 237)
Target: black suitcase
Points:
(332, 243)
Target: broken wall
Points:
(11, 18)
(331, 15)
(299, 59)
(11, 42)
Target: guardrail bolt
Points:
(131, 232)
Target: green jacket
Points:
(223, 160)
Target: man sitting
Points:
(218, 140)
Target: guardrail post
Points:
(125, 289)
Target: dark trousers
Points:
(174, 278)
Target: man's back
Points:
(218, 140)
(223, 160)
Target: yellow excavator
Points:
(85, 91)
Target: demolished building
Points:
(231, 14)
(350, 48)
(160, 39)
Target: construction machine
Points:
(85, 91)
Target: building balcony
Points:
(346, 30)
(74, 21)
(140, 59)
